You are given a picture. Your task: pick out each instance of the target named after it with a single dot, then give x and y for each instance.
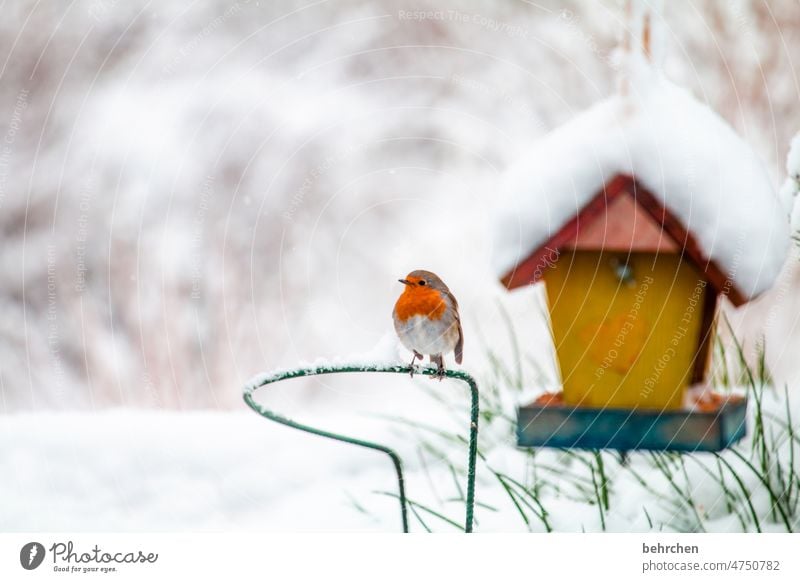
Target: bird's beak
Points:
(405, 281)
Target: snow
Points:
(384, 356)
(676, 147)
(216, 202)
(125, 470)
(210, 203)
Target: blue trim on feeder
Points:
(569, 427)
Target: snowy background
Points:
(191, 194)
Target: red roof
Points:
(609, 221)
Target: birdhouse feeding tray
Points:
(637, 231)
(548, 422)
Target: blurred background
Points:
(191, 193)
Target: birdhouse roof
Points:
(680, 151)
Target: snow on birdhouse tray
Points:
(683, 153)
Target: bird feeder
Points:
(632, 302)
(638, 216)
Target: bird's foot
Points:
(412, 365)
(439, 361)
(439, 374)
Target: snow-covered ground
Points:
(142, 470)
(126, 471)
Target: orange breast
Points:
(415, 301)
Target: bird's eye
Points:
(422, 282)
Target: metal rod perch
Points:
(258, 382)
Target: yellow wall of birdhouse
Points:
(626, 328)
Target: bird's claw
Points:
(412, 364)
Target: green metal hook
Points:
(260, 381)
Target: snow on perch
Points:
(679, 150)
(383, 356)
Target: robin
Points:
(426, 319)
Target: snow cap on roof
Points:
(674, 146)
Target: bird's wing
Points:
(459, 349)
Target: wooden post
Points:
(626, 48)
(629, 44)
